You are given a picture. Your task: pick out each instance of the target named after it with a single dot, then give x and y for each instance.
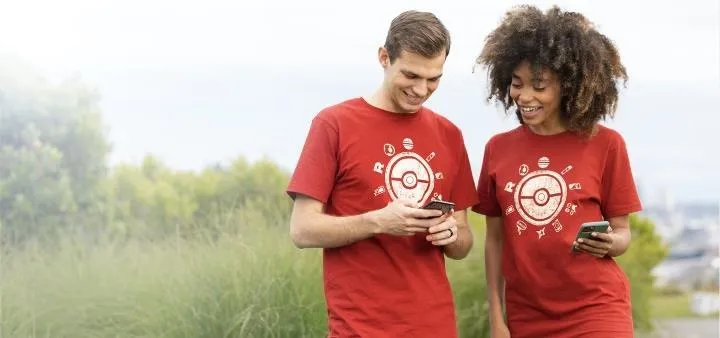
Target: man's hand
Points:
(599, 245)
(403, 218)
(445, 232)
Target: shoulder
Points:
(336, 112)
(609, 137)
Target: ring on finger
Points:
(451, 233)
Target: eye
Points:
(539, 89)
(515, 85)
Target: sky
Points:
(197, 82)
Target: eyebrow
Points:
(542, 79)
(410, 74)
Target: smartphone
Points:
(443, 206)
(587, 228)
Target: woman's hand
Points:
(598, 245)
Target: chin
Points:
(533, 120)
(407, 107)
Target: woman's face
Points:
(538, 99)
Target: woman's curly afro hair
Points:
(586, 62)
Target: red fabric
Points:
(545, 187)
(358, 158)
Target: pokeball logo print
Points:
(540, 195)
(409, 176)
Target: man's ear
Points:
(383, 57)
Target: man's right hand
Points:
(404, 218)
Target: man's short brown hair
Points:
(419, 33)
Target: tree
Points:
(53, 153)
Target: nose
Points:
(420, 89)
(525, 97)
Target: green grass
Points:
(255, 286)
(673, 305)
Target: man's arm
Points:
(311, 227)
(460, 248)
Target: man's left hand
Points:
(443, 233)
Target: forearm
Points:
(327, 231)
(621, 242)
(493, 270)
(461, 247)
(494, 280)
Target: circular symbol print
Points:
(540, 196)
(409, 176)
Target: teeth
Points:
(529, 109)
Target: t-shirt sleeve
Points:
(315, 172)
(619, 195)
(487, 199)
(463, 191)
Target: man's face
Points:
(410, 79)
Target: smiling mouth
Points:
(413, 98)
(529, 109)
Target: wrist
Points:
(619, 245)
(369, 221)
(497, 321)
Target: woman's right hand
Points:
(500, 331)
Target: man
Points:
(368, 166)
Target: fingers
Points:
(446, 222)
(418, 213)
(444, 237)
(443, 233)
(590, 249)
(595, 248)
(415, 229)
(604, 237)
(594, 243)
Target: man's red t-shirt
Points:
(545, 187)
(358, 158)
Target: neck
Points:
(381, 100)
(551, 127)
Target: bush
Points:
(645, 252)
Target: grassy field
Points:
(259, 285)
(256, 284)
(674, 305)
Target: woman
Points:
(557, 170)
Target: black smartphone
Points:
(443, 206)
(587, 228)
